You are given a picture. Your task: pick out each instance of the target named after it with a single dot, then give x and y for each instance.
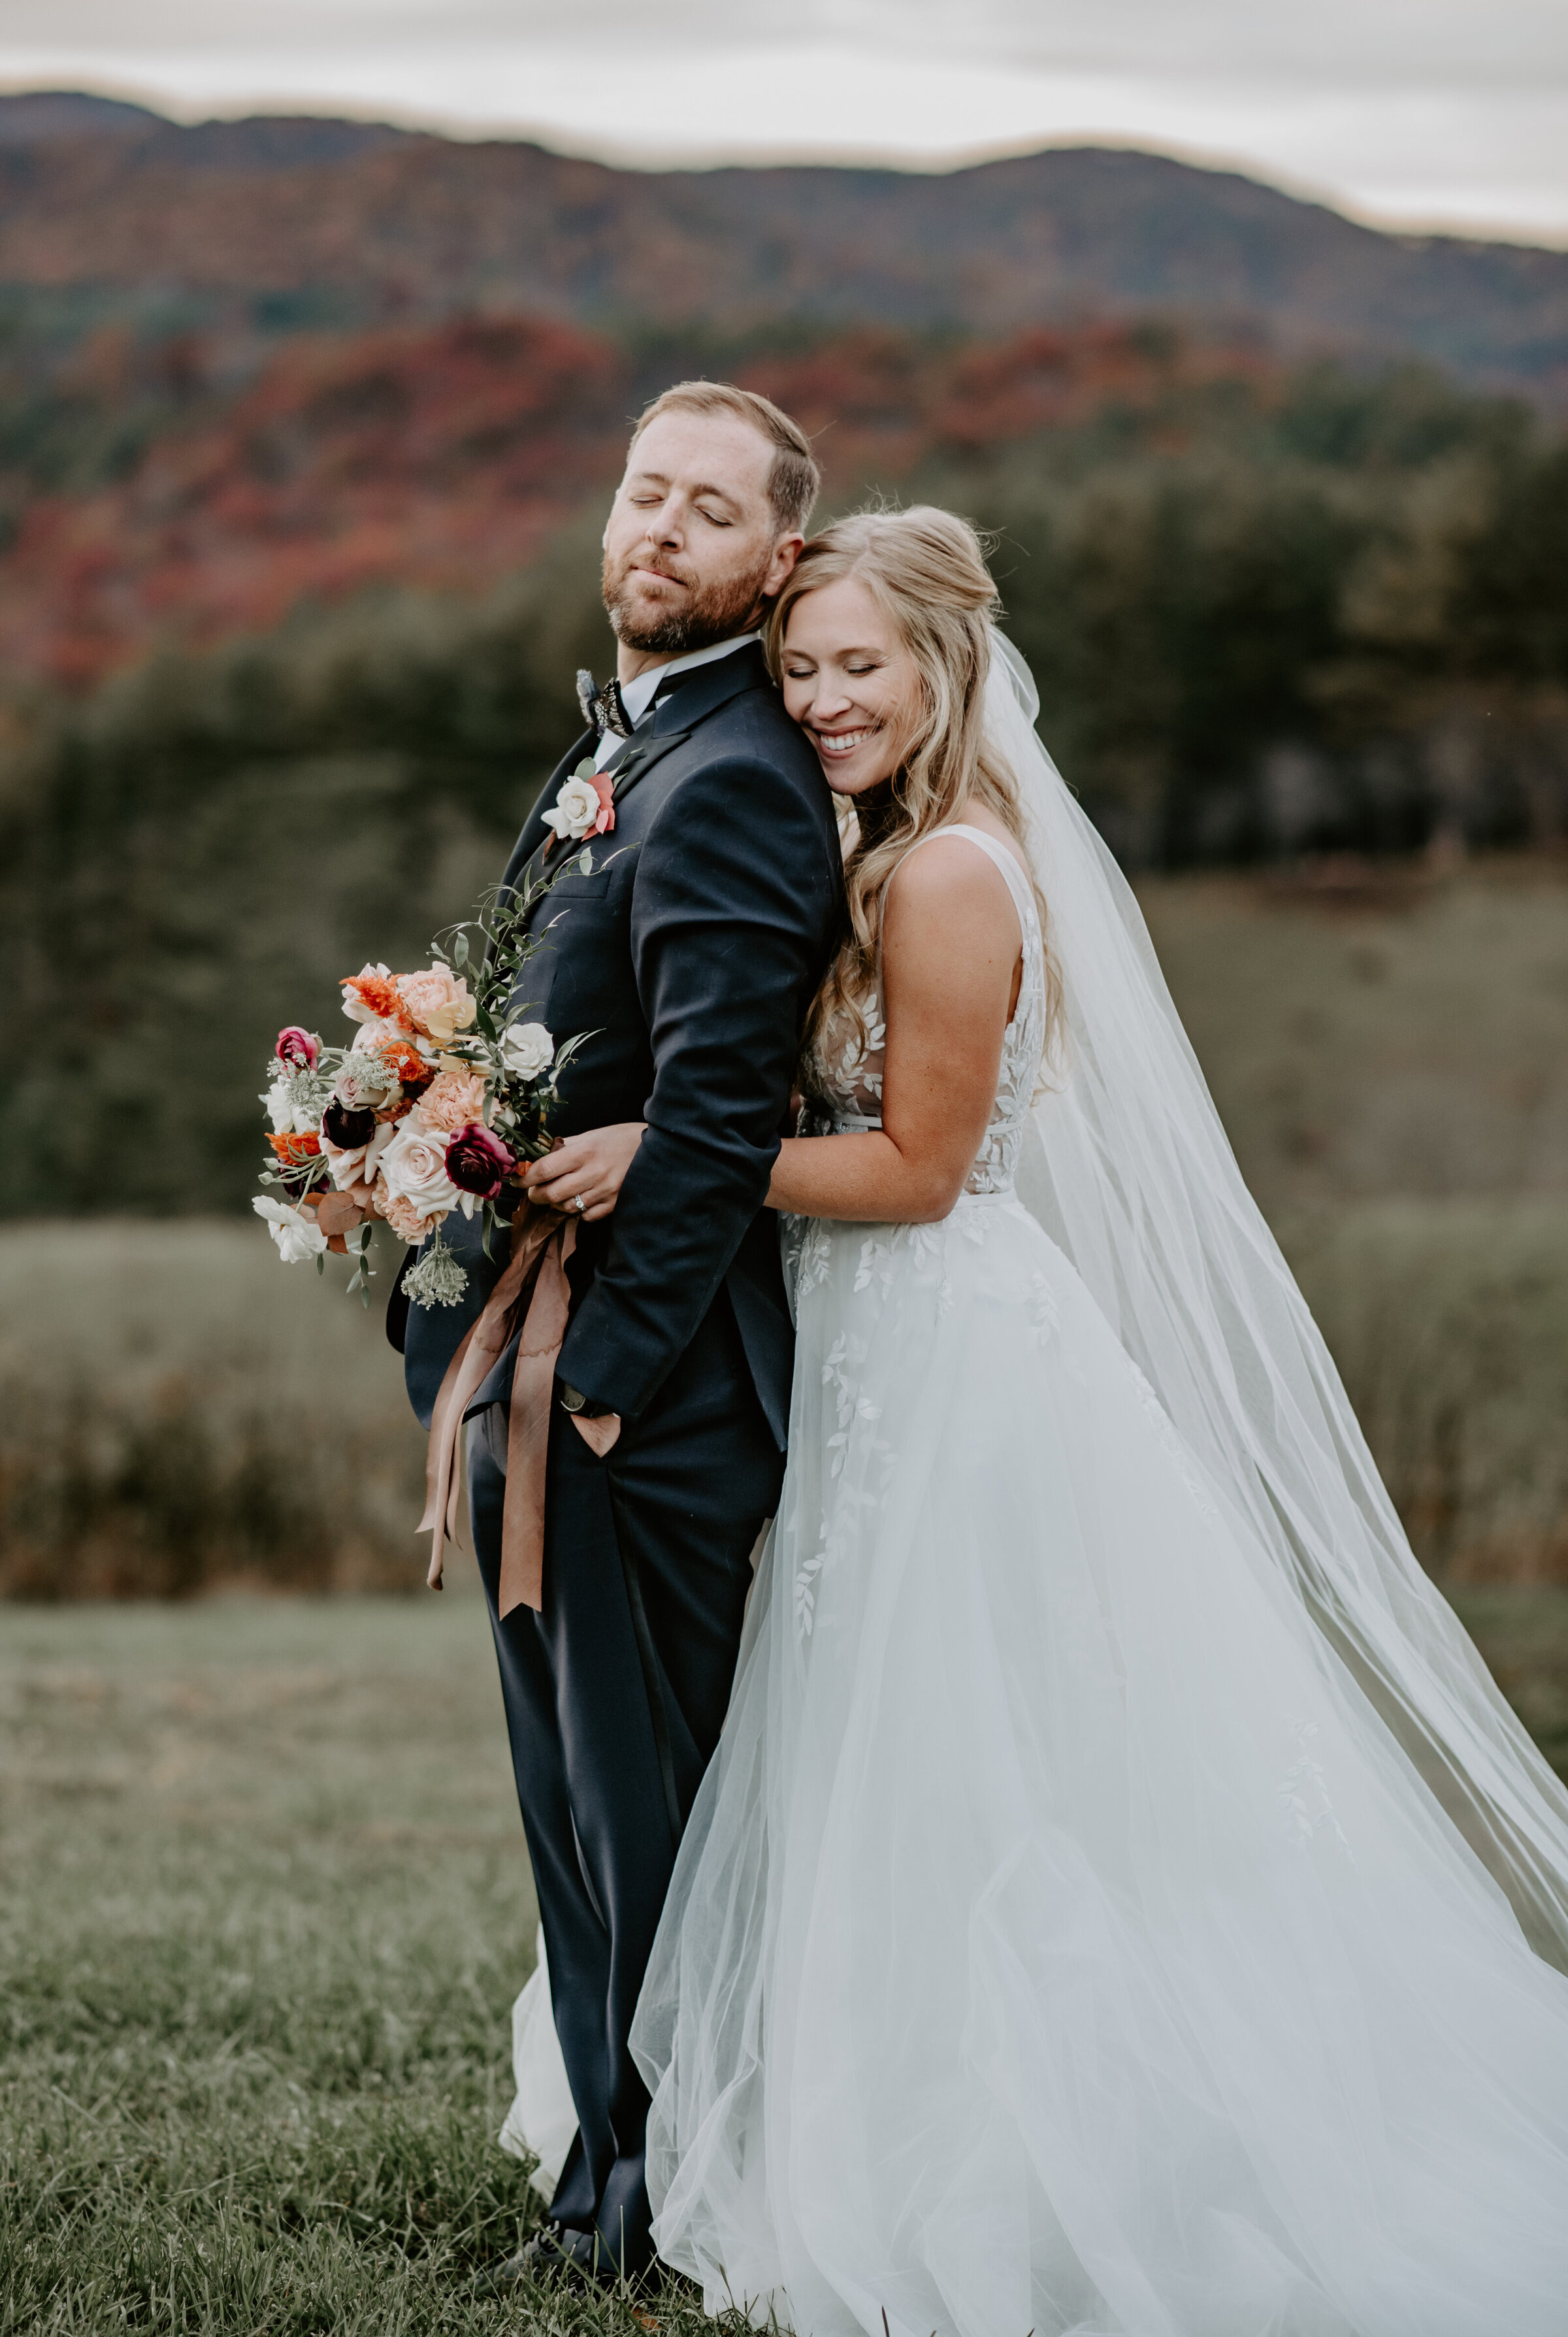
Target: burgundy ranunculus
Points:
(347, 1130)
(477, 1161)
(297, 1048)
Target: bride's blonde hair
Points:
(927, 570)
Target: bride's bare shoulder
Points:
(949, 892)
(947, 866)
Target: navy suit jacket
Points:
(691, 954)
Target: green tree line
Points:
(1332, 616)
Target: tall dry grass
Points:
(177, 1408)
(1449, 1323)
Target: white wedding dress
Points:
(1056, 1945)
(1070, 1935)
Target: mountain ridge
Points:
(373, 223)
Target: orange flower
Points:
(409, 1064)
(295, 1147)
(379, 995)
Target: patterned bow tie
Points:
(605, 709)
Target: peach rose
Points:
(452, 1099)
(437, 1003)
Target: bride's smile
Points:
(848, 682)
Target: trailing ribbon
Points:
(534, 1287)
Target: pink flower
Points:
(477, 1161)
(299, 1050)
(437, 1003)
(451, 1100)
(402, 1215)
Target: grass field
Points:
(263, 1911)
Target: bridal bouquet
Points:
(435, 1104)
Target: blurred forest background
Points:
(305, 435)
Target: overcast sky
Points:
(1424, 112)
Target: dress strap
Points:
(1017, 884)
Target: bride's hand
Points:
(593, 1166)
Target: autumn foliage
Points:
(437, 456)
(443, 456)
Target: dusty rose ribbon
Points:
(542, 1244)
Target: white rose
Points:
(280, 1107)
(528, 1050)
(297, 1236)
(576, 809)
(414, 1166)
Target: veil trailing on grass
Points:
(1128, 1169)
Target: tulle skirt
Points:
(1060, 1941)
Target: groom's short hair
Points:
(795, 478)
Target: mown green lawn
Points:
(263, 1911)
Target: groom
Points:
(691, 954)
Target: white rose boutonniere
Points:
(584, 806)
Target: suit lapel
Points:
(692, 699)
(641, 755)
(534, 832)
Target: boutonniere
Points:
(584, 806)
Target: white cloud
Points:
(1424, 111)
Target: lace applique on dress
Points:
(1304, 1792)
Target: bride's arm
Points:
(951, 943)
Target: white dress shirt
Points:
(638, 696)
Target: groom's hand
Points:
(598, 1429)
(583, 1175)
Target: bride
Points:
(1121, 1901)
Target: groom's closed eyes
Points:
(651, 489)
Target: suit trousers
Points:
(615, 1694)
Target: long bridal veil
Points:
(1128, 1169)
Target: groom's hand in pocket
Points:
(598, 1429)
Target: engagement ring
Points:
(578, 1202)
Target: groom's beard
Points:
(708, 613)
